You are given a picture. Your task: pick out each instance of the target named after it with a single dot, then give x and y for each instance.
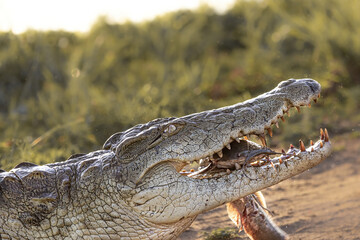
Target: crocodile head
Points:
(180, 141)
(154, 155)
(140, 186)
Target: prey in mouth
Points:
(243, 153)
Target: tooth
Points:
(220, 154)
(237, 166)
(298, 109)
(270, 131)
(321, 144)
(311, 143)
(282, 118)
(237, 139)
(302, 146)
(228, 146)
(322, 136)
(263, 141)
(272, 165)
(326, 135)
(286, 163)
(277, 124)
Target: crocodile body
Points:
(135, 187)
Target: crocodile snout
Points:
(314, 86)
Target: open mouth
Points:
(242, 154)
(247, 154)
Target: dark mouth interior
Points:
(239, 155)
(243, 153)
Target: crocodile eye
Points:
(170, 129)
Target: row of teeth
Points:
(260, 136)
(324, 137)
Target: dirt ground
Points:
(321, 203)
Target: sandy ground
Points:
(322, 203)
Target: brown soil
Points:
(322, 203)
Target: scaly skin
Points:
(133, 189)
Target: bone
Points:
(202, 170)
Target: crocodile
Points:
(140, 186)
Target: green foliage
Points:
(63, 93)
(222, 234)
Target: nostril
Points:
(312, 88)
(315, 87)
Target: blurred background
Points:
(65, 89)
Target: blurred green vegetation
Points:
(222, 234)
(63, 93)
